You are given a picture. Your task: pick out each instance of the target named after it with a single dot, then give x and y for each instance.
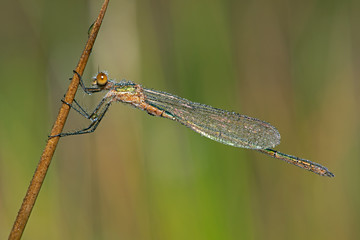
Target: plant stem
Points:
(43, 165)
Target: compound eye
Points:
(101, 79)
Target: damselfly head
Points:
(100, 79)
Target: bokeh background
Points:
(294, 64)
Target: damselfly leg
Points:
(96, 116)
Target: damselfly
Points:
(222, 126)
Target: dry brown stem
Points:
(40, 172)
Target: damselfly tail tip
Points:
(321, 170)
(329, 174)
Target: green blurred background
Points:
(294, 64)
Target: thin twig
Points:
(40, 172)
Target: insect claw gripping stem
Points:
(82, 83)
(63, 101)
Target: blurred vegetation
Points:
(294, 64)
